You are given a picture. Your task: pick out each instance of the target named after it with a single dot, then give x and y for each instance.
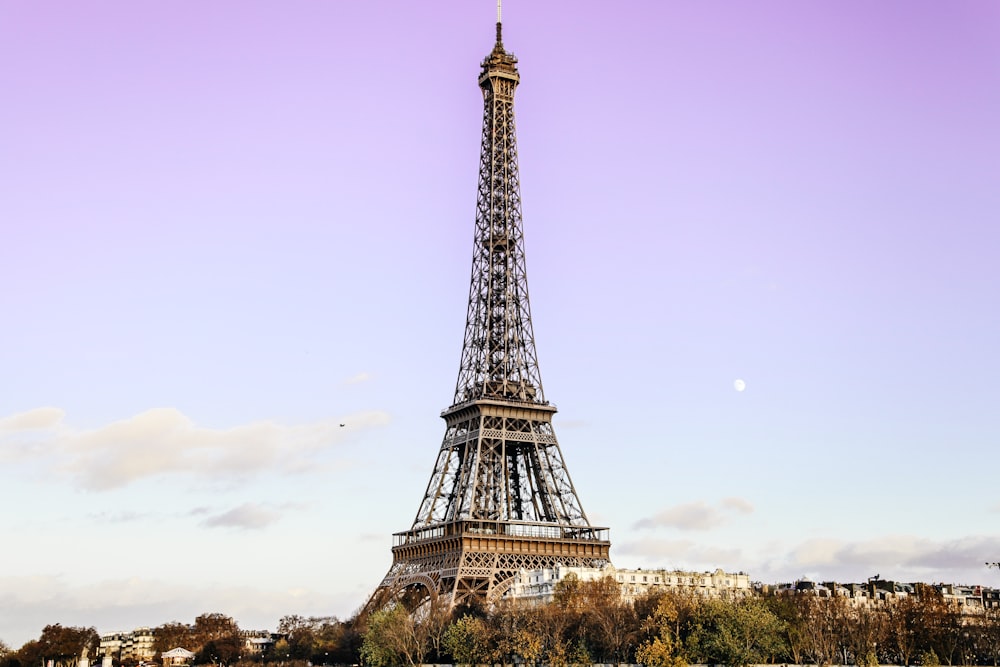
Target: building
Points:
(177, 657)
(256, 641)
(135, 646)
(540, 585)
(138, 647)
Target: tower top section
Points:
(499, 62)
(499, 362)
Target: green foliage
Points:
(378, 648)
(929, 659)
(868, 660)
(579, 654)
(659, 652)
(393, 638)
(588, 622)
(319, 640)
(468, 640)
(738, 633)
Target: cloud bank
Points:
(898, 557)
(163, 441)
(695, 516)
(249, 516)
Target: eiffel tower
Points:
(500, 498)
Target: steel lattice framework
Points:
(500, 498)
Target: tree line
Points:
(588, 622)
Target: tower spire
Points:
(500, 498)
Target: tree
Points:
(60, 644)
(298, 635)
(223, 651)
(738, 633)
(213, 626)
(518, 633)
(989, 634)
(659, 652)
(6, 655)
(393, 637)
(786, 608)
(663, 649)
(432, 620)
(609, 620)
(468, 640)
(820, 627)
(902, 626)
(216, 639)
(29, 655)
(555, 624)
(941, 622)
(173, 635)
(866, 630)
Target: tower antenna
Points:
(499, 39)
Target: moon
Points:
(739, 385)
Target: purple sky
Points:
(229, 227)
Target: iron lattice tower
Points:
(500, 498)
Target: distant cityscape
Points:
(573, 615)
(142, 646)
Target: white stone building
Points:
(539, 585)
(136, 645)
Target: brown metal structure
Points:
(500, 498)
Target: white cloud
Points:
(695, 516)
(680, 554)
(737, 505)
(23, 435)
(125, 516)
(899, 553)
(39, 418)
(358, 379)
(163, 441)
(247, 516)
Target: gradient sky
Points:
(229, 227)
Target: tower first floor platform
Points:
(479, 559)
